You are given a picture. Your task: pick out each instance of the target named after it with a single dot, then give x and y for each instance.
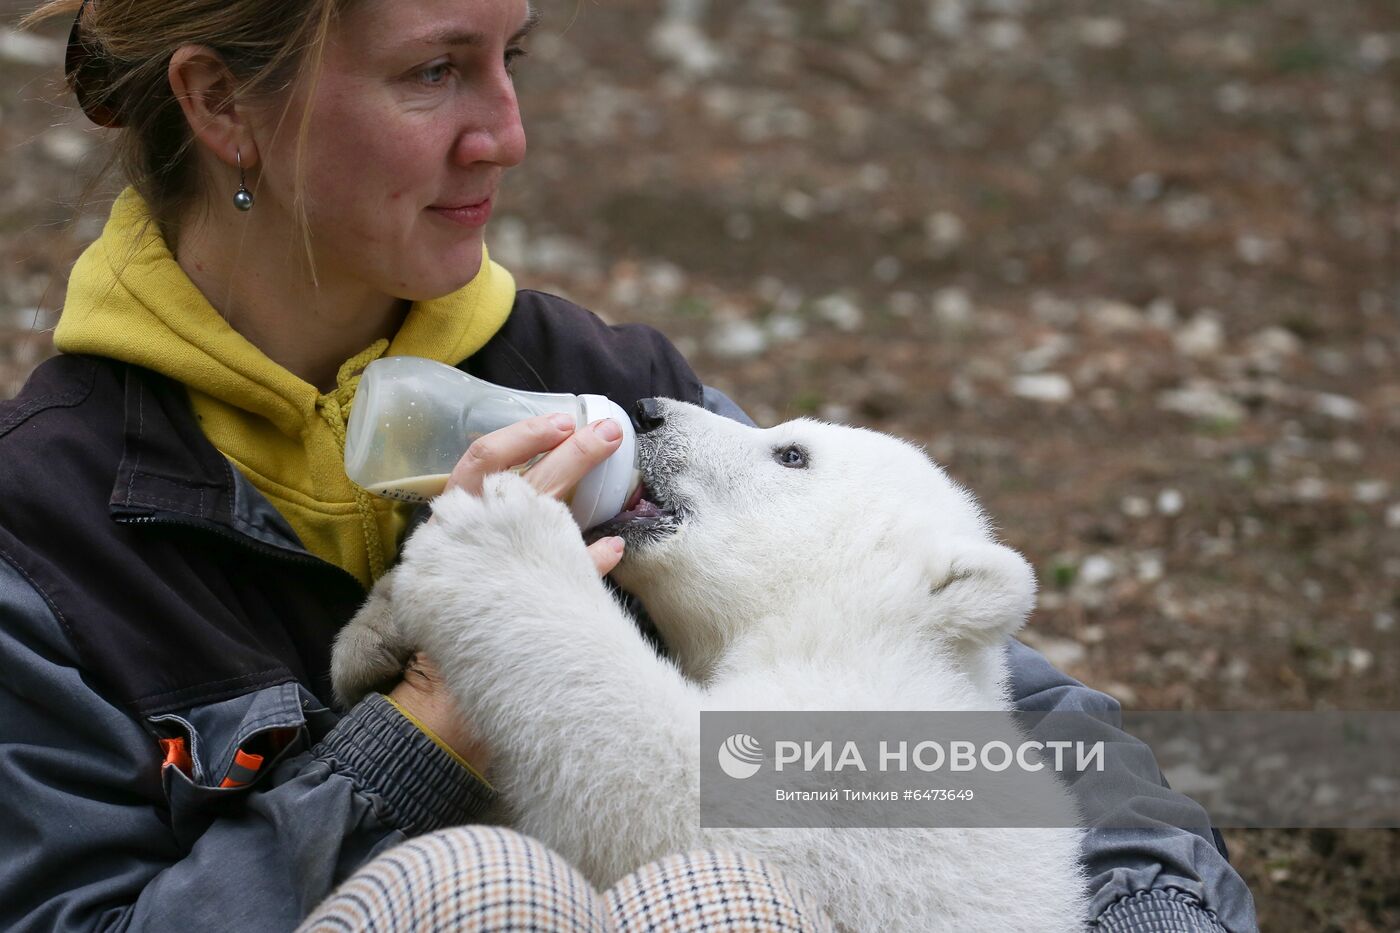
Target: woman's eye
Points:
(435, 74)
(791, 456)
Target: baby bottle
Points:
(413, 418)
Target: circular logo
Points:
(741, 756)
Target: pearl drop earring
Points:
(242, 198)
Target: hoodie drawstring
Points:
(334, 409)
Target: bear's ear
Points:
(978, 590)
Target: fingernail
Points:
(608, 429)
(617, 544)
(562, 421)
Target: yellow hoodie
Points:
(129, 300)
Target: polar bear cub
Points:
(806, 566)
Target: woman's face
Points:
(413, 122)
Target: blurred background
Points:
(1130, 269)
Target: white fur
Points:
(868, 580)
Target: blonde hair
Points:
(268, 45)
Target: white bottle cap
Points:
(603, 492)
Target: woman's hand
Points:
(423, 695)
(568, 456)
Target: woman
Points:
(311, 181)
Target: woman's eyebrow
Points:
(452, 36)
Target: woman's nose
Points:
(498, 135)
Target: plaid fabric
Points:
(482, 878)
(699, 892)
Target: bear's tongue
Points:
(633, 499)
(642, 508)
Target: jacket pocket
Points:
(213, 755)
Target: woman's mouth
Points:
(465, 215)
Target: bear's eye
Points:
(791, 456)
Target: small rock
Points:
(27, 320)
(840, 311)
(945, 232)
(682, 44)
(1170, 502)
(1054, 311)
(1257, 250)
(1234, 98)
(1135, 507)
(1360, 660)
(1381, 784)
(835, 412)
(1060, 652)
(664, 280)
(1043, 387)
(798, 205)
(949, 17)
(1102, 32)
(1096, 570)
(952, 307)
(1044, 354)
(1114, 317)
(1161, 312)
(1003, 35)
(1267, 349)
(1187, 212)
(1384, 622)
(26, 48)
(1371, 490)
(1202, 336)
(1392, 515)
(1201, 401)
(1326, 795)
(887, 269)
(786, 327)
(737, 338)
(738, 226)
(1311, 489)
(1337, 406)
(1374, 49)
(1125, 695)
(1147, 186)
(1150, 568)
(1187, 778)
(67, 147)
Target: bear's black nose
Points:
(649, 415)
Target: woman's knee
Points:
(470, 877)
(711, 890)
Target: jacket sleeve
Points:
(89, 842)
(1162, 878)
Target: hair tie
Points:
(86, 67)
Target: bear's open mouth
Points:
(646, 515)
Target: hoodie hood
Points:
(128, 299)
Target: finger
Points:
(606, 554)
(560, 470)
(508, 447)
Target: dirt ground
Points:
(1130, 269)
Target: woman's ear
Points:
(979, 591)
(206, 90)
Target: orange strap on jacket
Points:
(243, 770)
(177, 753)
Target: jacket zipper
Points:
(267, 550)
